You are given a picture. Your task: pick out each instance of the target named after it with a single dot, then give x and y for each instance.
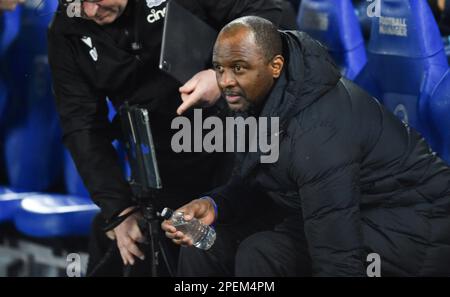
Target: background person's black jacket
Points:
(82, 84)
(442, 17)
(361, 180)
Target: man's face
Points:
(244, 74)
(103, 12)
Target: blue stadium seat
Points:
(33, 149)
(334, 23)
(10, 202)
(44, 216)
(439, 115)
(446, 40)
(3, 100)
(9, 29)
(406, 61)
(364, 19)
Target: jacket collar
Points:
(309, 73)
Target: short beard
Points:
(251, 111)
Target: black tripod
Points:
(150, 226)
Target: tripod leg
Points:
(157, 246)
(166, 259)
(153, 248)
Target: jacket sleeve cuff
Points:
(110, 211)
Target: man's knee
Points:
(255, 243)
(252, 255)
(271, 254)
(217, 261)
(194, 262)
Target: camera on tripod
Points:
(145, 180)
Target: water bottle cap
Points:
(166, 213)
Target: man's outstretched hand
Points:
(200, 91)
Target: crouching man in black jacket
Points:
(351, 179)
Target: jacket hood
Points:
(309, 73)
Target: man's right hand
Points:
(9, 4)
(127, 234)
(201, 209)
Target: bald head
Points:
(263, 33)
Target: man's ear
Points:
(277, 64)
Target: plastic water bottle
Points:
(202, 235)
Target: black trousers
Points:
(253, 249)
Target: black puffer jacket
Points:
(360, 179)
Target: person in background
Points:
(9, 5)
(441, 11)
